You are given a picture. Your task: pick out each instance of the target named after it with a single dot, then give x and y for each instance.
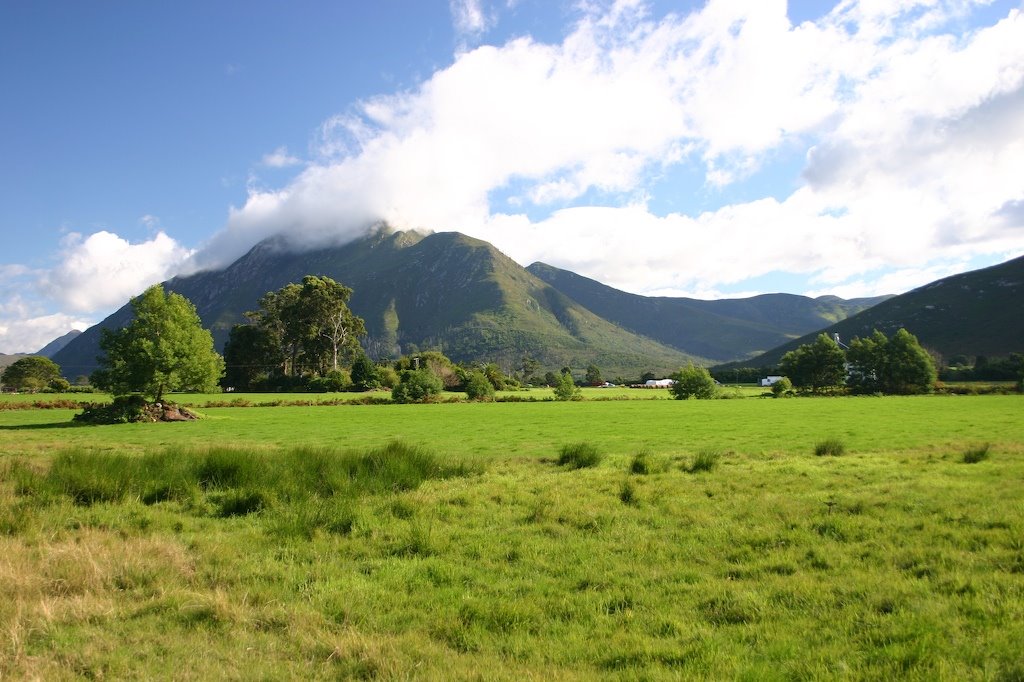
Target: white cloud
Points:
(280, 158)
(105, 270)
(469, 17)
(914, 134)
(30, 334)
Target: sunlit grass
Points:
(295, 542)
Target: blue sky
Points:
(685, 148)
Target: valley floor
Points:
(709, 542)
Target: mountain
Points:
(50, 349)
(974, 313)
(7, 360)
(719, 330)
(414, 291)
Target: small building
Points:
(770, 380)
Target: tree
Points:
(331, 325)
(164, 348)
(279, 317)
(593, 376)
(893, 366)
(31, 374)
(495, 376)
(818, 366)
(251, 355)
(365, 376)
(529, 367)
(693, 382)
(566, 388)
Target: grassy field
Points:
(708, 542)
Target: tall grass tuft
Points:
(976, 454)
(628, 494)
(705, 460)
(830, 447)
(579, 455)
(238, 481)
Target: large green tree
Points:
(896, 366)
(164, 348)
(817, 366)
(32, 373)
(332, 328)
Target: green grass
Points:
(295, 542)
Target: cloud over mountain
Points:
(914, 139)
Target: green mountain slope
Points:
(720, 330)
(442, 290)
(974, 313)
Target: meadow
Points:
(695, 540)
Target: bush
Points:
(976, 454)
(123, 410)
(417, 386)
(832, 447)
(693, 382)
(566, 388)
(782, 387)
(479, 387)
(579, 456)
(705, 460)
(332, 382)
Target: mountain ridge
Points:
(418, 291)
(979, 312)
(720, 330)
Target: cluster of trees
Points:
(876, 364)
(961, 368)
(303, 330)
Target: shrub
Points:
(705, 460)
(479, 387)
(782, 387)
(579, 455)
(693, 382)
(417, 386)
(831, 447)
(122, 410)
(976, 454)
(332, 382)
(566, 388)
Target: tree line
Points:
(875, 364)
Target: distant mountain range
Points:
(414, 291)
(718, 330)
(55, 346)
(463, 296)
(47, 351)
(974, 313)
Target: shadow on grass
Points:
(33, 427)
